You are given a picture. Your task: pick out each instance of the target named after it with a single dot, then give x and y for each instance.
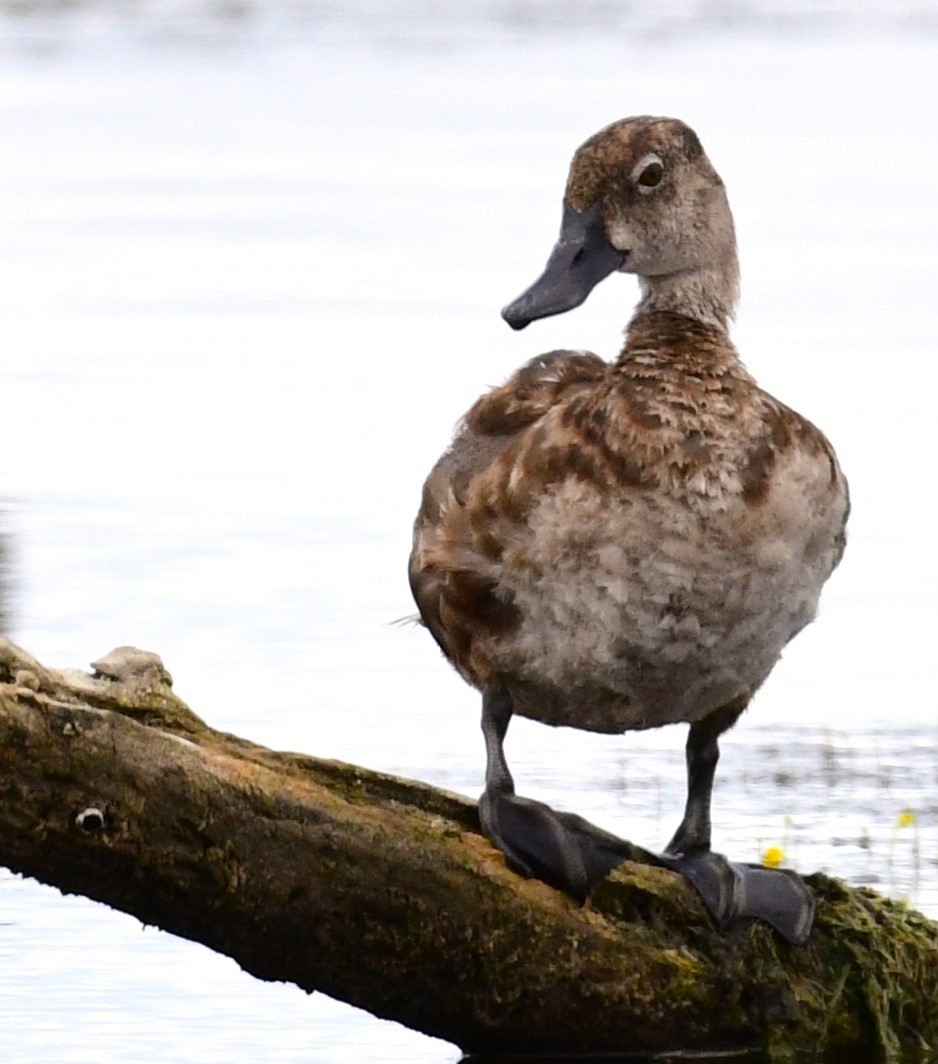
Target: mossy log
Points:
(381, 892)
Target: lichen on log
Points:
(381, 892)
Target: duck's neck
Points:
(682, 375)
(671, 344)
(706, 295)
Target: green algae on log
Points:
(381, 892)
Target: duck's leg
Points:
(702, 754)
(561, 849)
(731, 891)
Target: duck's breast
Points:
(612, 582)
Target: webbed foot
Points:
(562, 849)
(733, 891)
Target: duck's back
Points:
(624, 546)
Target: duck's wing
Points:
(798, 499)
(489, 429)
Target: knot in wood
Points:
(90, 821)
(128, 664)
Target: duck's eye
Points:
(651, 175)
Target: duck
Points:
(628, 544)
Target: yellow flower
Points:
(773, 856)
(906, 818)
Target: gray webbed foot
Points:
(778, 896)
(573, 855)
(562, 849)
(733, 892)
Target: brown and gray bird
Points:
(615, 546)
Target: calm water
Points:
(248, 283)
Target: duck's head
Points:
(642, 197)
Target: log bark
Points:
(381, 892)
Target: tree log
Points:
(381, 892)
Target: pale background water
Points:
(250, 273)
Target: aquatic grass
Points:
(825, 800)
(892, 859)
(906, 826)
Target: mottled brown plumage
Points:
(631, 544)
